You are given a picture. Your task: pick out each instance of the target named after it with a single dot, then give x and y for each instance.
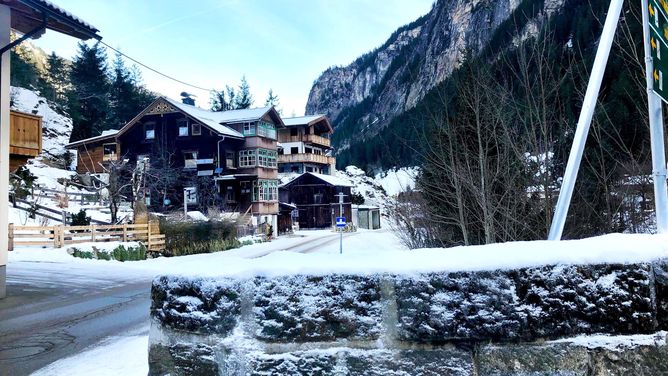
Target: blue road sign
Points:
(340, 221)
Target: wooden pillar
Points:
(125, 232)
(92, 233)
(5, 22)
(56, 236)
(61, 233)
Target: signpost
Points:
(340, 221)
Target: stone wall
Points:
(532, 321)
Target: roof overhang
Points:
(91, 140)
(29, 15)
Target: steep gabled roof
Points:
(213, 120)
(106, 135)
(208, 118)
(307, 120)
(329, 179)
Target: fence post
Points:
(148, 235)
(10, 235)
(125, 232)
(64, 214)
(62, 235)
(56, 237)
(92, 233)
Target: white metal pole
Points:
(341, 215)
(656, 132)
(584, 122)
(185, 203)
(5, 22)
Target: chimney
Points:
(187, 98)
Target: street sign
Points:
(340, 221)
(658, 40)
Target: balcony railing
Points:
(308, 138)
(308, 158)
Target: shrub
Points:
(120, 253)
(80, 219)
(188, 238)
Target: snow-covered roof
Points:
(26, 15)
(109, 132)
(329, 179)
(209, 118)
(301, 120)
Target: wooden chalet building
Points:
(236, 150)
(305, 145)
(314, 195)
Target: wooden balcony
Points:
(306, 158)
(307, 138)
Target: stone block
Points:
(467, 306)
(535, 360)
(196, 305)
(182, 360)
(309, 308)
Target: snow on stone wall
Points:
(535, 320)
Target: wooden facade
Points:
(316, 201)
(25, 139)
(306, 145)
(198, 149)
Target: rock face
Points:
(504, 322)
(396, 76)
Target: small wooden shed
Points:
(25, 138)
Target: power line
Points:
(156, 71)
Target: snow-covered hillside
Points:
(56, 128)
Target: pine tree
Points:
(231, 98)
(23, 71)
(218, 101)
(244, 98)
(57, 77)
(127, 97)
(272, 99)
(89, 98)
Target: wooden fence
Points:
(59, 236)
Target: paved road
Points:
(52, 312)
(55, 310)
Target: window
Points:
(249, 129)
(307, 130)
(294, 150)
(109, 152)
(267, 130)
(229, 159)
(183, 127)
(267, 158)
(229, 194)
(190, 159)
(197, 129)
(247, 158)
(265, 190)
(245, 187)
(293, 131)
(317, 198)
(308, 150)
(149, 130)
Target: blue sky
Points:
(278, 44)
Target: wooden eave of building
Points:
(28, 15)
(92, 140)
(169, 108)
(320, 119)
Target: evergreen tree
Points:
(218, 101)
(231, 98)
(244, 98)
(127, 97)
(89, 98)
(24, 73)
(57, 77)
(272, 99)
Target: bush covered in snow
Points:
(110, 251)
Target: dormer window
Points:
(197, 129)
(183, 127)
(249, 129)
(149, 130)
